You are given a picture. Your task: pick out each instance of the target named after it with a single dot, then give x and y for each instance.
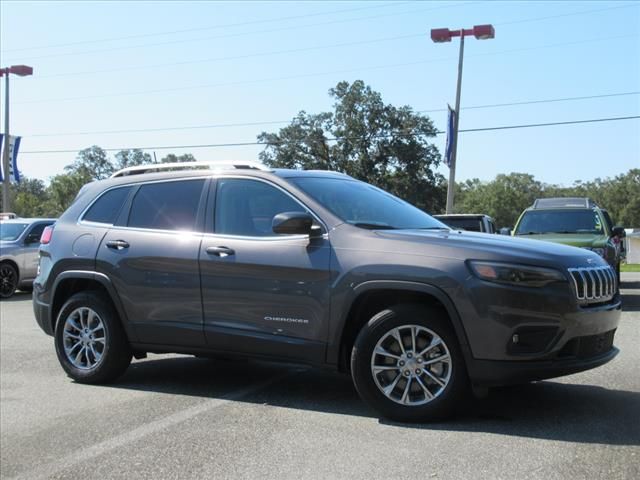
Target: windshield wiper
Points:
(374, 226)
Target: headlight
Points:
(510, 274)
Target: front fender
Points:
(343, 310)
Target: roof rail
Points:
(564, 202)
(159, 167)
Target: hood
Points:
(465, 245)
(581, 240)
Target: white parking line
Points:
(49, 469)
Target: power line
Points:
(237, 57)
(562, 15)
(244, 144)
(533, 102)
(318, 74)
(240, 34)
(278, 122)
(209, 27)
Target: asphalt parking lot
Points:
(179, 417)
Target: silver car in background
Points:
(19, 242)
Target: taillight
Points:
(47, 233)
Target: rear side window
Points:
(167, 206)
(107, 207)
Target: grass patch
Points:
(630, 267)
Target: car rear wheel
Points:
(8, 280)
(406, 363)
(91, 344)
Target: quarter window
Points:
(247, 207)
(167, 206)
(107, 207)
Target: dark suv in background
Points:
(314, 267)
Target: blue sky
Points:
(124, 66)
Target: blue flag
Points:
(448, 149)
(14, 146)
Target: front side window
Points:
(247, 207)
(560, 221)
(107, 207)
(167, 205)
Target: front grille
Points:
(589, 346)
(594, 284)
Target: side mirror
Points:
(292, 223)
(32, 238)
(618, 231)
(505, 231)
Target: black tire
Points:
(447, 400)
(116, 354)
(8, 280)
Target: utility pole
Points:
(6, 180)
(440, 35)
(21, 71)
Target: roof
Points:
(563, 202)
(28, 220)
(462, 215)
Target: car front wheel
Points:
(90, 342)
(406, 364)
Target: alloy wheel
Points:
(411, 365)
(84, 338)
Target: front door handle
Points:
(220, 251)
(117, 244)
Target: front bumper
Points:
(493, 373)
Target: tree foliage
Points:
(505, 197)
(378, 143)
(31, 198)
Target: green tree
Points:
(29, 197)
(62, 191)
(131, 158)
(503, 198)
(372, 141)
(173, 158)
(91, 162)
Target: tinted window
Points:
(167, 206)
(247, 207)
(107, 207)
(364, 205)
(470, 224)
(36, 232)
(560, 221)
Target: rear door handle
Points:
(117, 244)
(220, 251)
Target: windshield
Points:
(560, 221)
(364, 205)
(469, 224)
(11, 231)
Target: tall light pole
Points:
(440, 35)
(21, 71)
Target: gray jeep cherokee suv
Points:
(314, 267)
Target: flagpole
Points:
(6, 180)
(454, 147)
